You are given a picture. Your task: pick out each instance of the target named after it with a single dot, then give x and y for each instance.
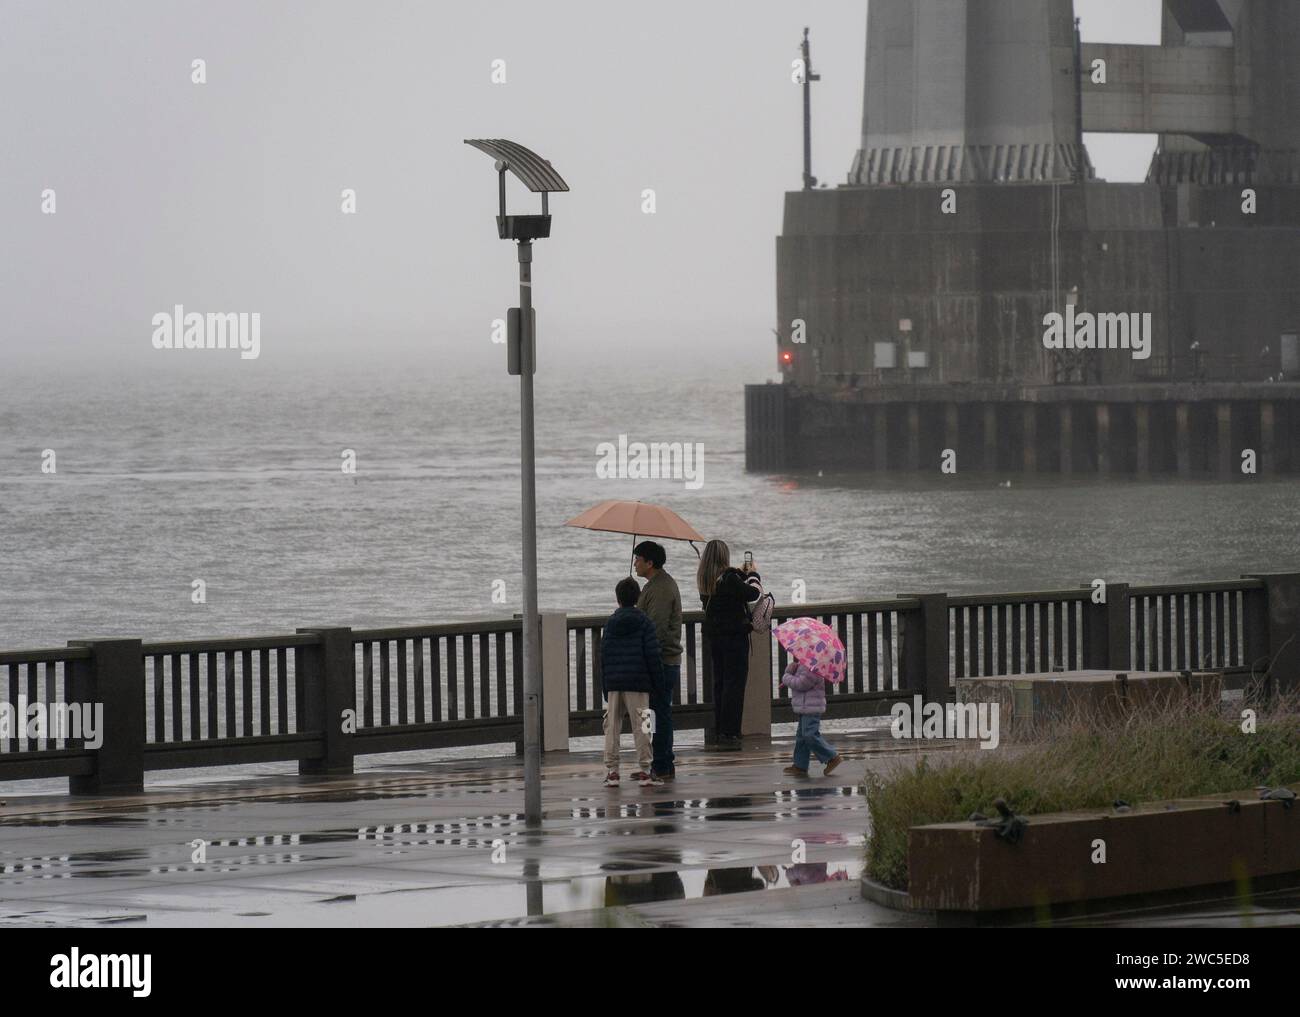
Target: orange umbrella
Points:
(639, 519)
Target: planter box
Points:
(1162, 846)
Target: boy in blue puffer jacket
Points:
(808, 701)
(630, 667)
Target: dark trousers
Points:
(730, 658)
(661, 701)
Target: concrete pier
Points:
(880, 438)
(1067, 439)
(980, 98)
(990, 437)
(1103, 439)
(1182, 429)
(1030, 446)
(1267, 448)
(1183, 438)
(913, 437)
(1223, 444)
(1142, 434)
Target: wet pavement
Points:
(444, 843)
(732, 842)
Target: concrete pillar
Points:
(924, 655)
(756, 720)
(880, 438)
(913, 437)
(1142, 427)
(990, 437)
(555, 681)
(1031, 437)
(113, 678)
(1279, 651)
(1266, 437)
(951, 426)
(1067, 439)
(1106, 631)
(327, 684)
(1223, 446)
(1103, 439)
(1183, 438)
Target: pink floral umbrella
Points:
(815, 645)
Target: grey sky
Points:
(226, 196)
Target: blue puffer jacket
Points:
(629, 653)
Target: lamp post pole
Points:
(539, 176)
(528, 478)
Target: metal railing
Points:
(323, 696)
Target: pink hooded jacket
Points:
(807, 689)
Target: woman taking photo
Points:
(726, 594)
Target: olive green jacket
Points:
(662, 601)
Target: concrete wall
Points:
(854, 262)
(1157, 90)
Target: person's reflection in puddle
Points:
(807, 873)
(720, 881)
(643, 888)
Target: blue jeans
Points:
(661, 702)
(809, 742)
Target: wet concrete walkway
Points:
(444, 843)
(420, 844)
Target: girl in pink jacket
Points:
(808, 700)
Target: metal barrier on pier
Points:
(321, 697)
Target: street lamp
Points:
(538, 176)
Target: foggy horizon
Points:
(226, 196)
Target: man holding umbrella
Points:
(662, 601)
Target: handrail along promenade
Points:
(323, 696)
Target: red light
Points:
(787, 357)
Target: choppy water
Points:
(235, 479)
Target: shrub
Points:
(1175, 751)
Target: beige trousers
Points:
(635, 704)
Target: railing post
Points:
(757, 716)
(113, 678)
(555, 681)
(1273, 629)
(924, 654)
(1106, 631)
(327, 687)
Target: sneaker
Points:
(669, 775)
(650, 780)
(639, 776)
(830, 766)
(794, 771)
(611, 779)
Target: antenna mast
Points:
(809, 181)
